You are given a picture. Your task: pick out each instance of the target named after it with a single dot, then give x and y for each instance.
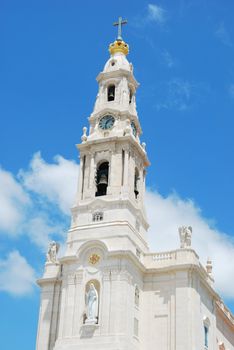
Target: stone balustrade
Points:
(225, 310)
(173, 257)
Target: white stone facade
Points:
(142, 300)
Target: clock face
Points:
(106, 122)
(134, 129)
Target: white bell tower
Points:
(89, 295)
(112, 163)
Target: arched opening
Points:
(136, 183)
(206, 326)
(111, 93)
(102, 179)
(130, 96)
(206, 333)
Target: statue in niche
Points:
(91, 300)
(185, 236)
(52, 252)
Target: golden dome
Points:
(119, 46)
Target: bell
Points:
(111, 94)
(103, 180)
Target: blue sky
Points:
(51, 52)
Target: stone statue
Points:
(128, 129)
(209, 267)
(92, 305)
(51, 255)
(185, 236)
(84, 136)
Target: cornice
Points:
(115, 139)
(118, 74)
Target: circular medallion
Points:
(94, 259)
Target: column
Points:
(80, 181)
(45, 316)
(78, 304)
(91, 175)
(126, 171)
(69, 305)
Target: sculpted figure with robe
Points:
(92, 304)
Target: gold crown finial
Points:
(119, 45)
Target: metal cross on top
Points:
(119, 24)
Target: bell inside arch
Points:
(102, 179)
(136, 183)
(111, 93)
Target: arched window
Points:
(206, 333)
(102, 179)
(136, 183)
(111, 93)
(130, 96)
(206, 325)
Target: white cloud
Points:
(41, 231)
(223, 35)
(156, 14)
(14, 201)
(17, 277)
(167, 214)
(56, 182)
(23, 213)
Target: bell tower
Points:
(113, 162)
(89, 297)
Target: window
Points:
(98, 216)
(130, 96)
(136, 183)
(111, 93)
(102, 179)
(206, 333)
(206, 327)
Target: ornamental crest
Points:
(94, 258)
